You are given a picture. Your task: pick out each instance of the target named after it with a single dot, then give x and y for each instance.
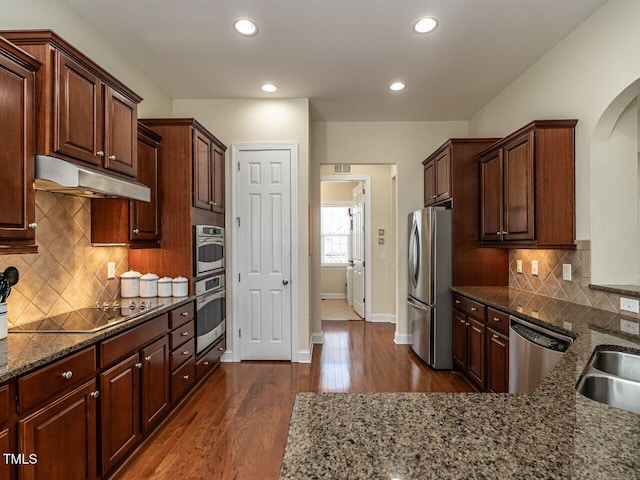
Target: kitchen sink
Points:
(613, 378)
(620, 364)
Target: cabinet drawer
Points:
(182, 379)
(470, 307)
(181, 315)
(498, 320)
(55, 378)
(182, 353)
(211, 357)
(182, 334)
(4, 405)
(132, 340)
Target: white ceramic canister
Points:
(130, 284)
(149, 285)
(165, 287)
(180, 287)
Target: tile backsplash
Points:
(67, 272)
(549, 280)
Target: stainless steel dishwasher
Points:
(533, 352)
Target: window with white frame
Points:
(335, 231)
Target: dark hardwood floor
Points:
(235, 425)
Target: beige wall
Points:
(336, 191)
(57, 16)
(595, 66)
(404, 144)
(258, 121)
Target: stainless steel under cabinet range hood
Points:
(60, 176)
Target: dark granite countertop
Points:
(22, 352)
(553, 432)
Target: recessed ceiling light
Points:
(396, 86)
(269, 88)
(425, 25)
(245, 26)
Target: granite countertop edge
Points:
(553, 432)
(38, 349)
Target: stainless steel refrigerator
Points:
(429, 292)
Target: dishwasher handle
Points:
(540, 336)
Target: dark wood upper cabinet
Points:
(451, 179)
(528, 187)
(208, 172)
(136, 223)
(17, 110)
(83, 114)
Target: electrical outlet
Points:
(535, 314)
(630, 327)
(629, 305)
(566, 272)
(518, 266)
(534, 267)
(567, 326)
(111, 270)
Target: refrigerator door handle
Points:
(417, 305)
(414, 254)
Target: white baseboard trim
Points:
(333, 296)
(403, 339)
(227, 357)
(383, 318)
(304, 356)
(317, 338)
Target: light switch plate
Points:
(111, 270)
(518, 266)
(629, 305)
(534, 267)
(566, 272)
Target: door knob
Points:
(285, 281)
(136, 231)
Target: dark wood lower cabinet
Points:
(155, 382)
(5, 447)
(120, 410)
(497, 362)
(481, 344)
(477, 352)
(63, 437)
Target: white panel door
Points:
(358, 250)
(263, 239)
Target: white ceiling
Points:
(341, 54)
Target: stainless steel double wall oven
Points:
(208, 270)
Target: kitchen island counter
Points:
(553, 432)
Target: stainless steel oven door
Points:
(210, 319)
(209, 255)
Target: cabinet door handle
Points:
(213, 204)
(136, 231)
(221, 349)
(95, 394)
(184, 314)
(458, 302)
(148, 358)
(67, 375)
(205, 363)
(139, 364)
(186, 377)
(433, 196)
(184, 334)
(497, 233)
(496, 319)
(495, 336)
(467, 324)
(186, 352)
(112, 157)
(505, 233)
(474, 309)
(462, 321)
(100, 153)
(33, 226)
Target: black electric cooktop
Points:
(85, 320)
